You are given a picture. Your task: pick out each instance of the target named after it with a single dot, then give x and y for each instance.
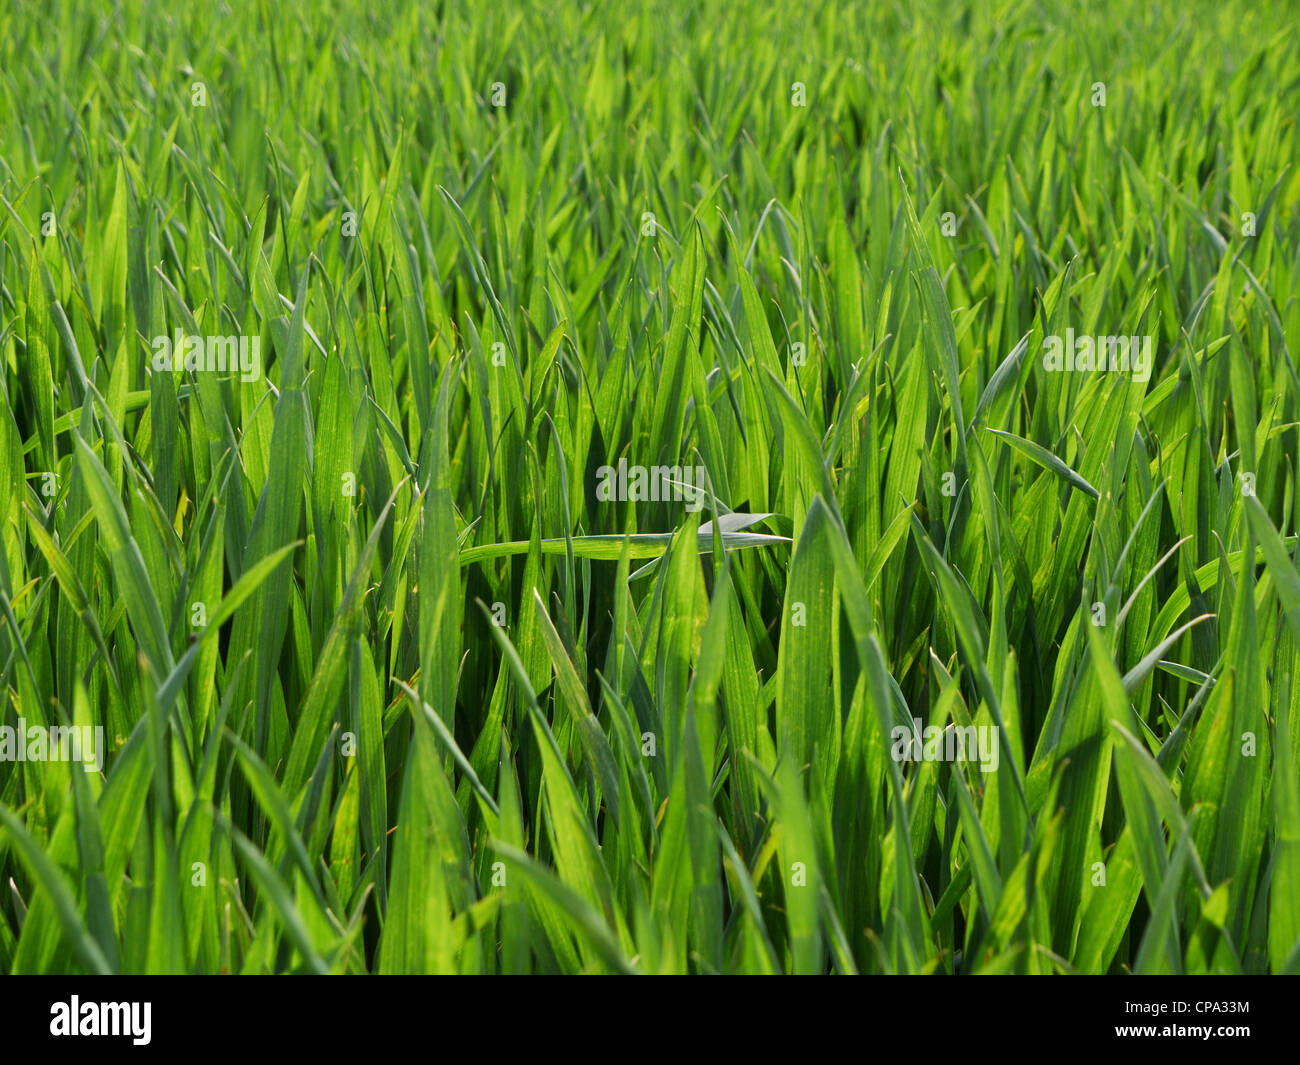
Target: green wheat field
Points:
(330, 643)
